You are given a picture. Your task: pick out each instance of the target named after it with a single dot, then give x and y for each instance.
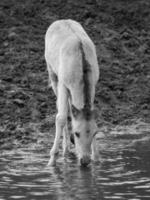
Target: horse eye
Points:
(77, 134)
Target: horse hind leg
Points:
(95, 151)
(66, 141)
(66, 135)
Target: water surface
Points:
(122, 173)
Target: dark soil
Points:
(120, 30)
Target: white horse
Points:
(73, 73)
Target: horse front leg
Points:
(60, 122)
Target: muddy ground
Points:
(120, 30)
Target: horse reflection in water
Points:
(75, 183)
(73, 74)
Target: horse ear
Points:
(75, 111)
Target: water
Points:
(123, 173)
